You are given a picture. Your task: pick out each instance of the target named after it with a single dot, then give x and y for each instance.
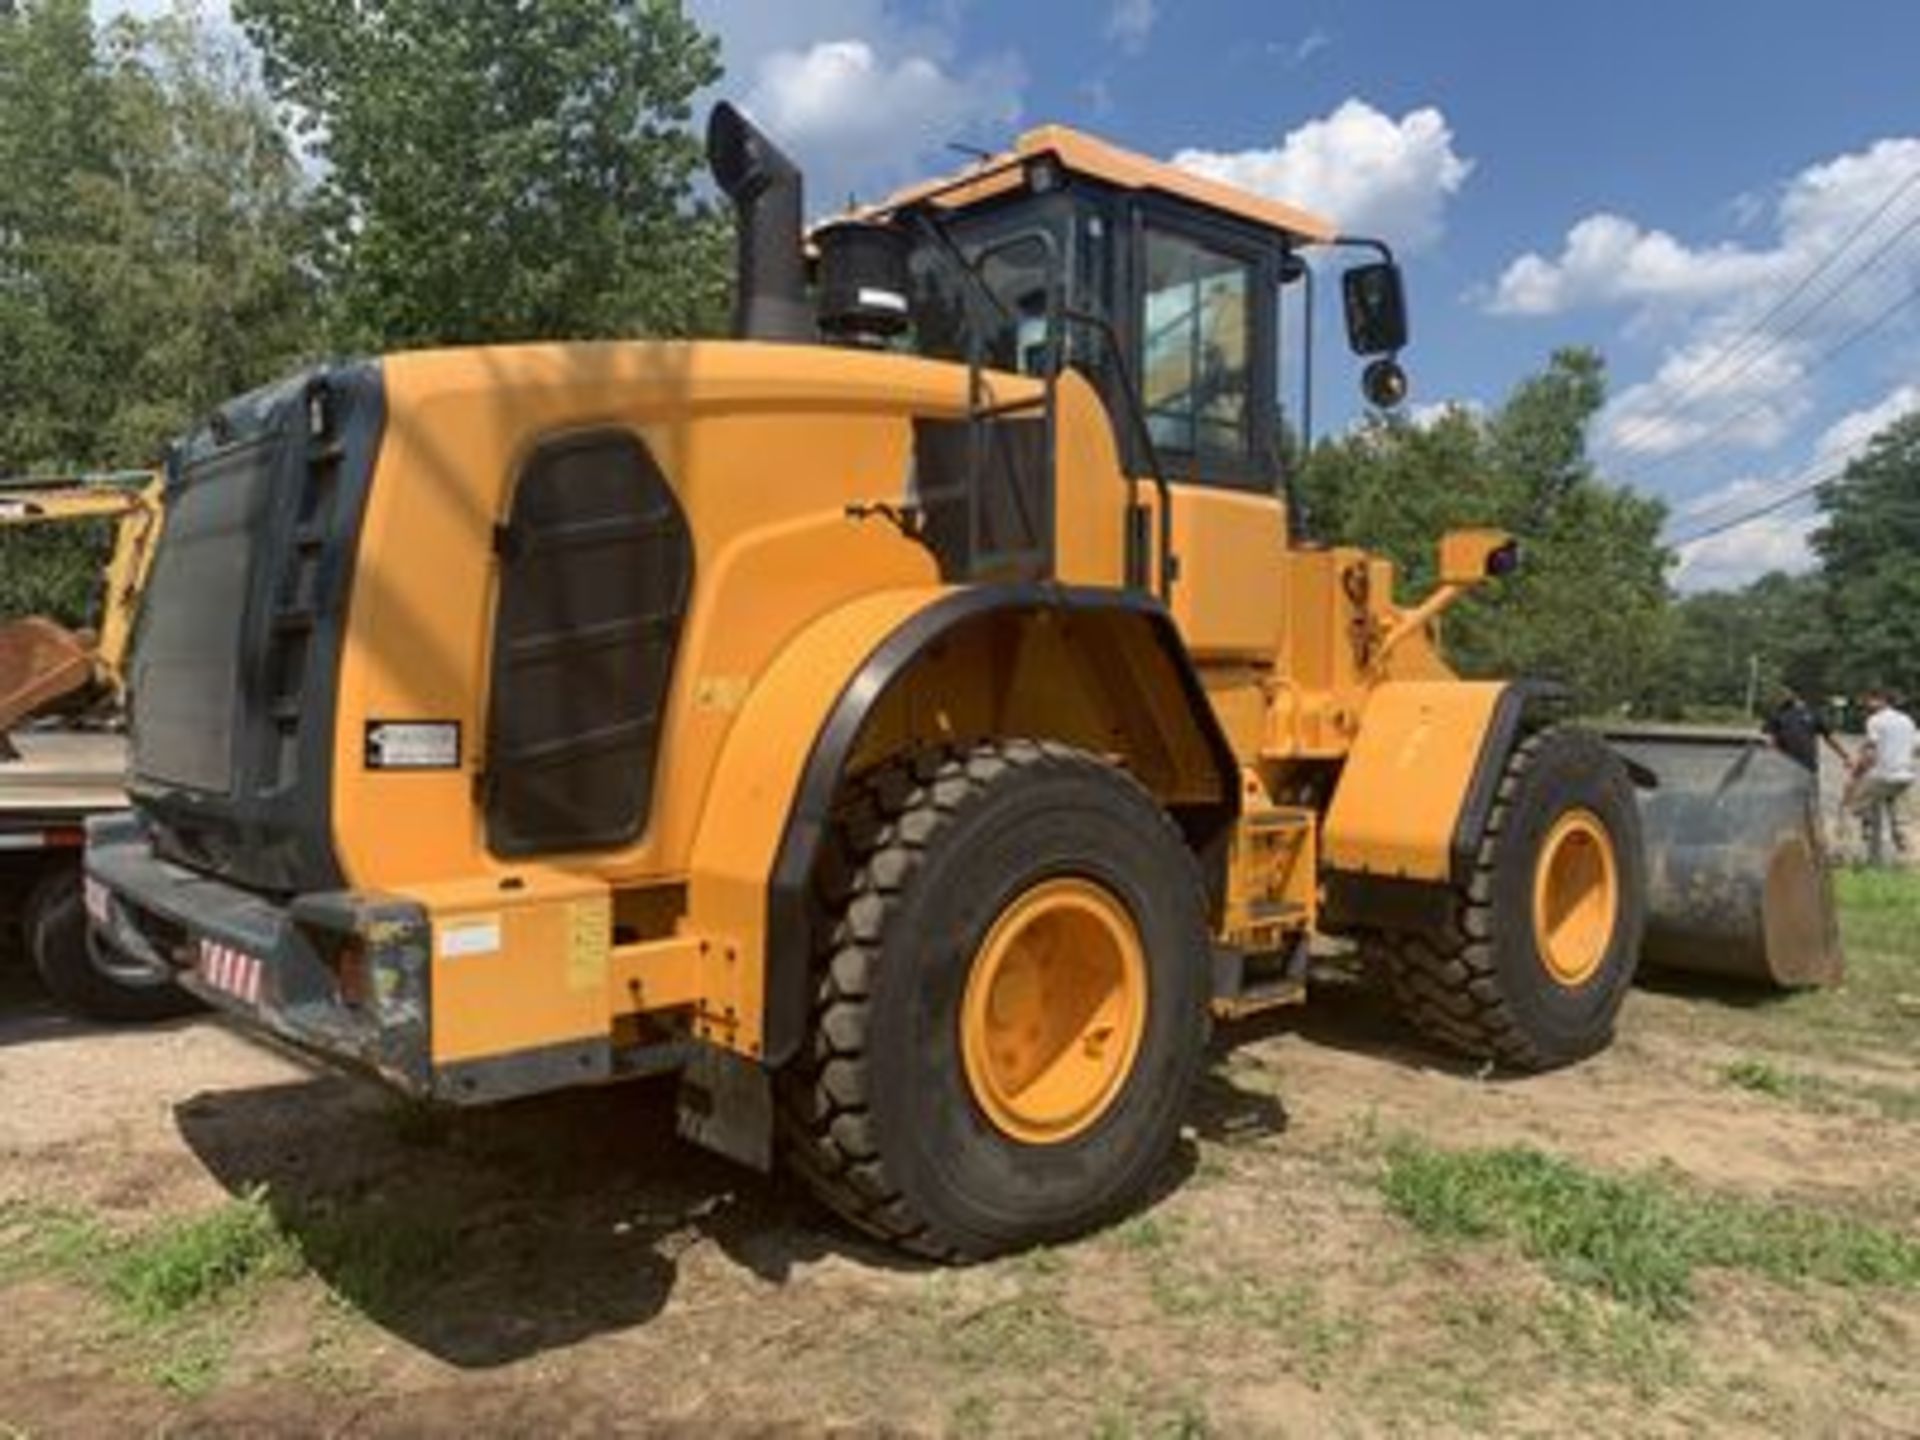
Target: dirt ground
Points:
(565, 1267)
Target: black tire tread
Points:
(1444, 981)
(882, 830)
(75, 981)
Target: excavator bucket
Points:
(1737, 879)
(41, 664)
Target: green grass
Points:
(380, 1258)
(1879, 1002)
(1880, 910)
(1762, 1077)
(177, 1290)
(1875, 1010)
(1266, 1311)
(49, 1239)
(202, 1259)
(1822, 1094)
(1639, 1238)
(173, 1289)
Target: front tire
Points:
(1010, 1010)
(77, 969)
(1541, 944)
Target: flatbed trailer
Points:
(53, 779)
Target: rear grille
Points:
(237, 653)
(596, 564)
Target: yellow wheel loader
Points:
(909, 720)
(62, 755)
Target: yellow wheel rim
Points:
(1054, 1011)
(1576, 897)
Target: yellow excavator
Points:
(44, 665)
(62, 750)
(911, 721)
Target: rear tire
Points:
(1518, 976)
(896, 1114)
(76, 970)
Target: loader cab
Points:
(1187, 304)
(1170, 293)
(1168, 311)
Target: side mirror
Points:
(1376, 306)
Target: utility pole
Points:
(1753, 684)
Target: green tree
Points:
(149, 235)
(1727, 643)
(150, 240)
(1589, 607)
(1869, 550)
(501, 169)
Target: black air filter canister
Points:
(863, 282)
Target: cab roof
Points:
(1082, 154)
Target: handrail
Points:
(1136, 411)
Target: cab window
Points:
(1196, 327)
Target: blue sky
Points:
(1656, 180)
(1650, 179)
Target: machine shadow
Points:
(1712, 989)
(1349, 1008)
(490, 1236)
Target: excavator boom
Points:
(44, 665)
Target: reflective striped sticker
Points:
(233, 971)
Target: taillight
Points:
(352, 974)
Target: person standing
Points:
(1883, 774)
(1797, 731)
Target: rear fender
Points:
(1099, 669)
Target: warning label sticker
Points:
(413, 745)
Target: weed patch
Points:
(1636, 1238)
(378, 1257)
(1820, 1093)
(1027, 1331)
(195, 1261)
(38, 1238)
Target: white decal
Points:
(470, 937)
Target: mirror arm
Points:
(1411, 622)
(1366, 242)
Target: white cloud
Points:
(1848, 436)
(1739, 557)
(1426, 416)
(1310, 45)
(858, 119)
(1776, 541)
(862, 96)
(1608, 259)
(1752, 403)
(1129, 23)
(1371, 173)
(1742, 377)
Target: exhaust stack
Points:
(770, 279)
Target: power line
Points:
(1799, 492)
(1757, 330)
(1727, 422)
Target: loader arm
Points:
(48, 664)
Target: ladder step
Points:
(1262, 996)
(1266, 822)
(1261, 912)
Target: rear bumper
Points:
(342, 975)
